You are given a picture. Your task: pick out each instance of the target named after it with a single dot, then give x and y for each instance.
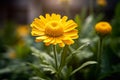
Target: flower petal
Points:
(58, 40)
(39, 39)
(64, 19)
(71, 33)
(48, 39)
(61, 44)
(37, 33)
(68, 42)
(70, 26)
(43, 19)
(53, 41)
(48, 17)
(74, 37)
(38, 24)
(56, 16)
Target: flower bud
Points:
(103, 28)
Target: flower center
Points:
(54, 29)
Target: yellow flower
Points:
(103, 28)
(52, 29)
(102, 2)
(23, 30)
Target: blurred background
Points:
(24, 11)
(15, 39)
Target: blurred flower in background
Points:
(23, 30)
(102, 2)
(12, 54)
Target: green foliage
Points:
(46, 64)
(82, 66)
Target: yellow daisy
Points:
(103, 28)
(52, 29)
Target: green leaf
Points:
(74, 52)
(36, 69)
(48, 68)
(46, 61)
(42, 55)
(81, 47)
(82, 66)
(40, 73)
(21, 67)
(5, 70)
(37, 78)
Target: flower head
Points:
(102, 2)
(52, 29)
(103, 28)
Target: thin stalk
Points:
(63, 59)
(56, 61)
(55, 55)
(100, 48)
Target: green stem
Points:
(100, 47)
(63, 59)
(56, 61)
(55, 55)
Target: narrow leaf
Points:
(81, 47)
(36, 69)
(76, 51)
(82, 66)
